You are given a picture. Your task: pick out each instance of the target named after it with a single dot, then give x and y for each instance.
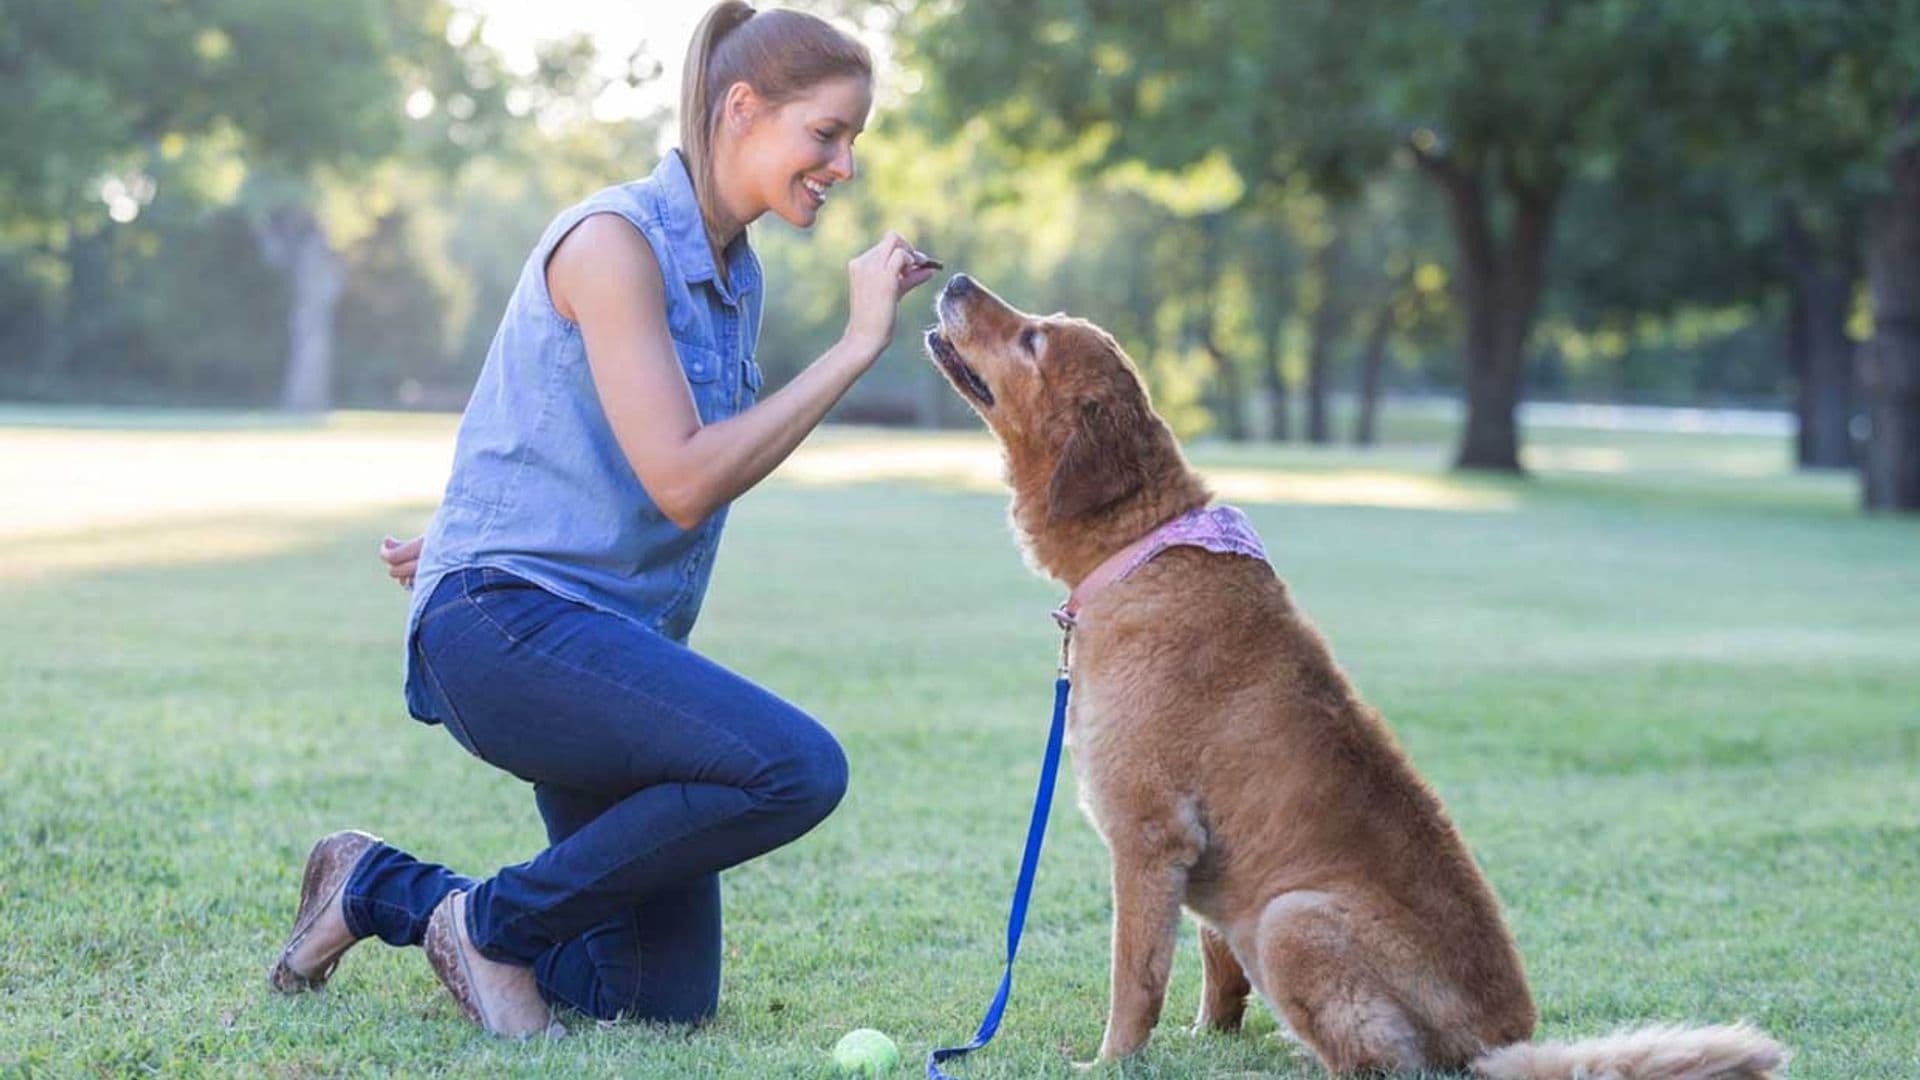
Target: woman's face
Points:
(790, 154)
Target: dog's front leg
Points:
(1146, 916)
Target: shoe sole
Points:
(315, 897)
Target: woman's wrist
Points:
(861, 348)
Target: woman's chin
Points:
(801, 214)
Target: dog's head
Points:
(1065, 401)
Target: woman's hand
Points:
(877, 279)
(403, 560)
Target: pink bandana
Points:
(1216, 528)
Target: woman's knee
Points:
(693, 1001)
(612, 978)
(809, 777)
(689, 999)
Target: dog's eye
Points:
(1028, 339)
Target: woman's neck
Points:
(732, 211)
(721, 232)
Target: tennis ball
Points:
(865, 1052)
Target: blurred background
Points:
(1616, 212)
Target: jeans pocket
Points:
(515, 607)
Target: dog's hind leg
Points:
(1223, 984)
(1318, 967)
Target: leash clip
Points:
(1066, 621)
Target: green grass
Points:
(1670, 691)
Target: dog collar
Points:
(1217, 528)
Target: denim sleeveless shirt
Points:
(540, 487)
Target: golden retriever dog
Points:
(1232, 769)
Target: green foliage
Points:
(216, 113)
(1175, 171)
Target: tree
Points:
(1892, 375)
(1220, 297)
(295, 97)
(1828, 91)
(354, 65)
(1500, 102)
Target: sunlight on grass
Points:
(95, 490)
(968, 463)
(55, 482)
(98, 498)
(1357, 487)
(1616, 452)
(972, 463)
(1599, 459)
(155, 544)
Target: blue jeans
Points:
(653, 768)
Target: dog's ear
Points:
(1100, 465)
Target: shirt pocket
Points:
(702, 366)
(751, 377)
(700, 361)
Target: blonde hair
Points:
(780, 53)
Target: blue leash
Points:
(1017, 917)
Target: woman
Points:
(612, 424)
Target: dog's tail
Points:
(1663, 1052)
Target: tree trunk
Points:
(1372, 359)
(1323, 335)
(1229, 404)
(86, 303)
(1794, 344)
(1319, 361)
(1227, 396)
(1273, 376)
(292, 240)
(1274, 381)
(1823, 363)
(1499, 292)
(1891, 373)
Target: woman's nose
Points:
(842, 166)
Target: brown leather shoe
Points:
(322, 892)
(501, 998)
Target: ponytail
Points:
(699, 111)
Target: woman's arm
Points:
(605, 278)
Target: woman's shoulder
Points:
(631, 200)
(608, 244)
(620, 221)
(601, 251)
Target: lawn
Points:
(1669, 689)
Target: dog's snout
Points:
(954, 298)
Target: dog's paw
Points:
(1211, 1027)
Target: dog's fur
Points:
(1232, 769)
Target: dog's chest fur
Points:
(1126, 741)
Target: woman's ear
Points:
(741, 107)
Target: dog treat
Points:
(924, 261)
